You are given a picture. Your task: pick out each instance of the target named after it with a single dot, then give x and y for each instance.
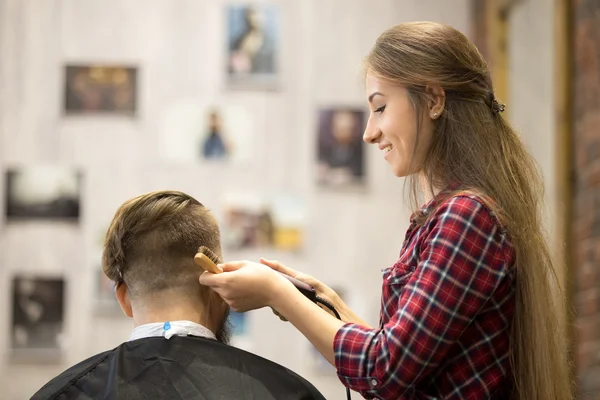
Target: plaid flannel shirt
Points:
(446, 312)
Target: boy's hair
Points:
(151, 243)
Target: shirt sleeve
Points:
(463, 259)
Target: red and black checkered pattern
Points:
(446, 312)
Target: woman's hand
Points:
(323, 291)
(246, 285)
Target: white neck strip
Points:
(171, 328)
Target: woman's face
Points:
(392, 125)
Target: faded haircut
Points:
(151, 243)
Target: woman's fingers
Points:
(232, 266)
(277, 266)
(209, 279)
(244, 285)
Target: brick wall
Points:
(586, 222)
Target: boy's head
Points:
(149, 253)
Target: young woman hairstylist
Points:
(468, 309)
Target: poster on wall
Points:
(37, 316)
(290, 220)
(240, 333)
(276, 222)
(340, 148)
(253, 46)
(100, 89)
(106, 301)
(238, 323)
(195, 132)
(43, 193)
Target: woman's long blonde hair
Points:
(474, 145)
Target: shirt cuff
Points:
(351, 346)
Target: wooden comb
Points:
(207, 260)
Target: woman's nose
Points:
(371, 134)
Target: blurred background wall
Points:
(86, 139)
(584, 180)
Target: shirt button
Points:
(373, 382)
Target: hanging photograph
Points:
(195, 132)
(289, 220)
(100, 89)
(238, 323)
(340, 148)
(253, 46)
(43, 193)
(240, 336)
(37, 313)
(275, 222)
(247, 222)
(106, 301)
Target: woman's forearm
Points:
(318, 326)
(348, 315)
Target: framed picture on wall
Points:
(38, 312)
(340, 148)
(105, 299)
(100, 89)
(240, 336)
(193, 132)
(43, 193)
(238, 323)
(253, 46)
(276, 222)
(290, 219)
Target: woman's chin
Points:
(400, 171)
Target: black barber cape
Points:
(182, 367)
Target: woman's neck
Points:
(428, 192)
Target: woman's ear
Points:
(123, 298)
(437, 100)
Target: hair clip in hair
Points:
(497, 107)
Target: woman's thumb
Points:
(231, 266)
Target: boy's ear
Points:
(122, 295)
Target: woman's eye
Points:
(380, 109)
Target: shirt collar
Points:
(169, 329)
